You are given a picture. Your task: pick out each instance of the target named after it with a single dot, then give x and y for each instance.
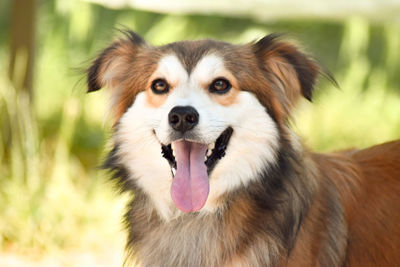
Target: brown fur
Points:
(339, 209)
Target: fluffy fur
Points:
(271, 201)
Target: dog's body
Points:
(202, 141)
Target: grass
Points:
(365, 110)
(49, 200)
(52, 196)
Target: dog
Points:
(201, 139)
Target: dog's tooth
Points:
(211, 146)
(209, 152)
(173, 150)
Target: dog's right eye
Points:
(160, 86)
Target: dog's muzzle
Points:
(191, 161)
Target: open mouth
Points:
(212, 157)
(191, 163)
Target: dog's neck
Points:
(215, 239)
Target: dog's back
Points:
(374, 238)
(363, 227)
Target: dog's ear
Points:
(110, 65)
(289, 71)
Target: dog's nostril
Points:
(190, 119)
(183, 118)
(174, 119)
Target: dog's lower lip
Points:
(217, 152)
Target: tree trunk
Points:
(22, 45)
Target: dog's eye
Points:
(160, 86)
(220, 86)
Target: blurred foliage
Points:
(52, 196)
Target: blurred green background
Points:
(56, 207)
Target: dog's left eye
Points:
(160, 86)
(220, 86)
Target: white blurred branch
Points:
(269, 9)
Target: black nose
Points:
(183, 118)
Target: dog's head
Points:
(197, 119)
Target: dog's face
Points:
(195, 120)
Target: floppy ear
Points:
(289, 71)
(110, 65)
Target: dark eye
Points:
(220, 86)
(159, 86)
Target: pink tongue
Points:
(190, 187)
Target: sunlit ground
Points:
(109, 258)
